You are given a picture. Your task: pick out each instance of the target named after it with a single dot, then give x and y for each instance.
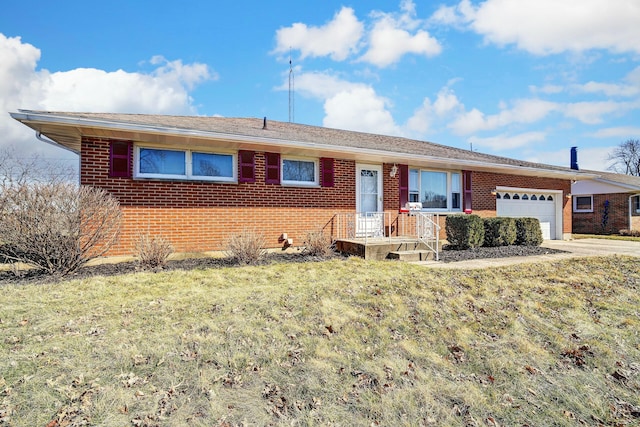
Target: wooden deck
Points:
(404, 248)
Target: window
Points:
(184, 164)
(436, 190)
(414, 185)
(299, 171)
(636, 203)
(583, 203)
(212, 165)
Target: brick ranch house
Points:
(606, 204)
(198, 180)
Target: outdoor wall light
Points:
(394, 171)
(494, 192)
(568, 196)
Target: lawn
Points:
(343, 342)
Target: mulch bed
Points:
(446, 255)
(449, 255)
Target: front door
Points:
(369, 215)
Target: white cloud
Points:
(622, 132)
(389, 38)
(591, 158)
(523, 111)
(446, 103)
(629, 87)
(545, 27)
(394, 36)
(456, 16)
(505, 142)
(321, 85)
(360, 109)
(337, 39)
(348, 105)
(163, 91)
(547, 89)
(592, 113)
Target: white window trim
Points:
(188, 166)
(449, 187)
(575, 202)
(291, 183)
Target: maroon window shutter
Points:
(466, 188)
(120, 159)
(272, 168)
(326, 172)
(246, 166)
(403, 185)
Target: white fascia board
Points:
(26, 115)
(629, 187)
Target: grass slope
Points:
(343, 342)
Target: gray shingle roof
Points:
(280, 131)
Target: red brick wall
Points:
(201, 216)
(618, 217)
(484, 203)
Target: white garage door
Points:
(518, 204)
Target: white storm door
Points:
(369, 216)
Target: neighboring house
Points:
(606, 204)
(198, 180)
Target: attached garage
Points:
(546, 205)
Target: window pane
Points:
(205, 164)
(583, 203)
(162, 162)
(455, 182)
(455, 190)
(298, 170)
(434, 190)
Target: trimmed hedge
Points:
(529, 232)
(464, 231)
(500, 231)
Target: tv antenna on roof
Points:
(292, 89)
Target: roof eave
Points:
(72, 139)
(630, 187)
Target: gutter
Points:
(32, 116)
(51, 142)
(55, 144)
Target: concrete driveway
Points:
(574, 249)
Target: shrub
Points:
(464, 231)
(56, 227)
(153, 251)
(499, 231)
(246, 247)
(528, 232)
(318, 244)
(632, 233)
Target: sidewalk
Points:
(574, 249)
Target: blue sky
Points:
(526, 79)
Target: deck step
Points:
(414, 255)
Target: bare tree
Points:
(56, 227)
(626, 158)
(47, 220)
(17, 169)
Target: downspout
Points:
(55, 144)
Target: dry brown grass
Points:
(343, 342)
